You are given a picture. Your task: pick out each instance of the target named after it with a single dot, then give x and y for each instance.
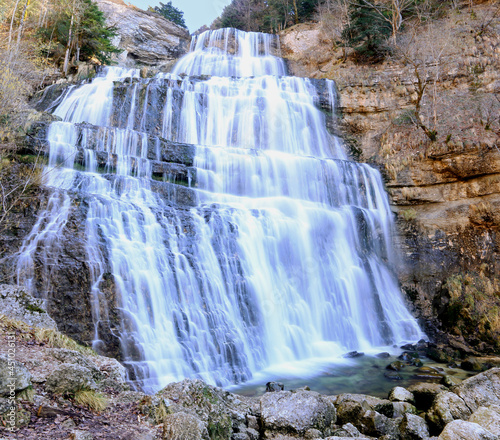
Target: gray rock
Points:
(488, 418)
(75, 357)
(480, 390)
(377, 425)
(17, 304)
(400, 394)
(69, 378)
(451, 381)
(447, 407)
(81, 435)
(401, 408)
(349, 411)
(14, 376)
(145, 37)
(462, 430)
(296, 412)
(351, 430)
(425, 393)
(413, 427)
(182, 426)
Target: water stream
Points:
(282, 257)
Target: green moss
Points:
(34, 308)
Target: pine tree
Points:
(367, 33)
(170, 12)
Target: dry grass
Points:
(50, 337)
(92, 400)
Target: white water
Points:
(285, 260)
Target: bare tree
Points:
(426, 50)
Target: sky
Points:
(196, 12)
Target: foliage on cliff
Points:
(170, 12)
(265, 15)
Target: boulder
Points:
(400, 394)
(146, 38)
(14, 376)
(69, 378)
(480, 390)
(18, 304)
(462, 430)
(377, 425)
(75, 357)
(296, 412)
(472, 364)
(413, 427)
(425, 393)
(488, 418)
(451, 381)
(401, 408)
(182, 426)
(447, 406)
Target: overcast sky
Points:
(196, 12)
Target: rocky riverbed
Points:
(64, 390)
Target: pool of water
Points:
(360, 375)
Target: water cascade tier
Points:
(224, 229)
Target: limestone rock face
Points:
(69, 378)
(488, 418)
(447, 407)
(481, 390)
(17, 304)
(413, 427)
(14, 376)
(182, 426)
(461, 430)
(296, 412)
(145, 37)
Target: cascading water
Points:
(280, 254)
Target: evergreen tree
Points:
(367, 33)
(170, 12)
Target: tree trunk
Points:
(12, 23)
(68, 46)
(21, 25)
(296, 11)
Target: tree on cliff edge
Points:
(171, 13)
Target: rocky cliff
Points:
(445, 192)
(145, 37)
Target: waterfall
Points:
(237, 233)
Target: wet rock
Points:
(472, 364)
(274, 386)
(400, 394)
(439, 354)
(383, 355)
(462, 430)
(447, 407)
(69, 378)
(451, 381)
(425, 393)
(296, 412)
(408, 356)
(353, 354)
(428, 373)
(413, 427)
(14, 376)
(396, 366)
(18, 304)
(488, 418)
(393, 375)
(182, 426)
(480, 390)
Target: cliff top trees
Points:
(170, 12)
